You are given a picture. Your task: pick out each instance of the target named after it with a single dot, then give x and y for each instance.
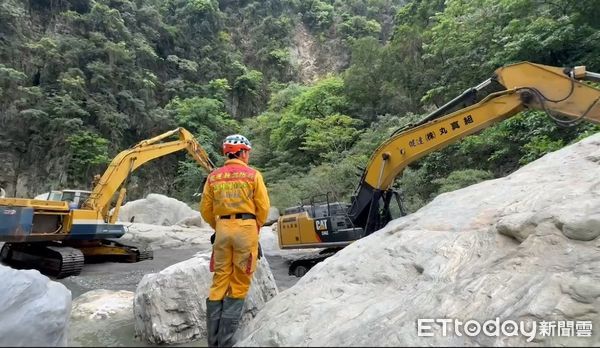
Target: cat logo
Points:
(321, 225)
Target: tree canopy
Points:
(81, 80)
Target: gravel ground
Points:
(123, 276)
(279, 266)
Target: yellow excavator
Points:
(57, 236)
(561, 92)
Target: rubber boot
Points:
(230, 320)
(213, 317)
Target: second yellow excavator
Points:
(56, 236)
(513, 88)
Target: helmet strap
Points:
(236, 155)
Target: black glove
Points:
(212, 238)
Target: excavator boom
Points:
(129, 160)
(526, 86)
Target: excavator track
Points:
(300, 266)
(60, 261)
(50, 259)
(137, 251)
(72, 261)
(114, 249)
(145, 255)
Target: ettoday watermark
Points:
(496, 327)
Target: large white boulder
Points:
(157, 209)
(34, 311)
(272, 217)
(268, 241)
(521, 248)
(102, 318)
(169, 306)
(169, 237)
(101, 304)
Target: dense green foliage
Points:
(114, 72)
(439, 49)
(81, 80)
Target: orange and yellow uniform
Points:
(233, 189)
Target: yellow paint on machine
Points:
(296, 229)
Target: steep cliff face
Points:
(7, 175)
(313, 59)
(25, 170)
(22, 178)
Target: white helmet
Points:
(235, 143)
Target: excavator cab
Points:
(75, 197)
(318, 221)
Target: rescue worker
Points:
(235, 203)
(96, 180)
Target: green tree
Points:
(206, 119)
(247, 90)
(363, 79)
(331, 136)
(357, 27)
(317, 14)
(88, 151)
(325, 97)
(462, 178)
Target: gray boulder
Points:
(169, 306)
(169, 237)
(34, 311)
(157, 209)
(102, 318)
(521, 248)
(272, 217)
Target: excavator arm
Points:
(129, 160)
(523, 86)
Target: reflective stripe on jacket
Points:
(234, 188)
